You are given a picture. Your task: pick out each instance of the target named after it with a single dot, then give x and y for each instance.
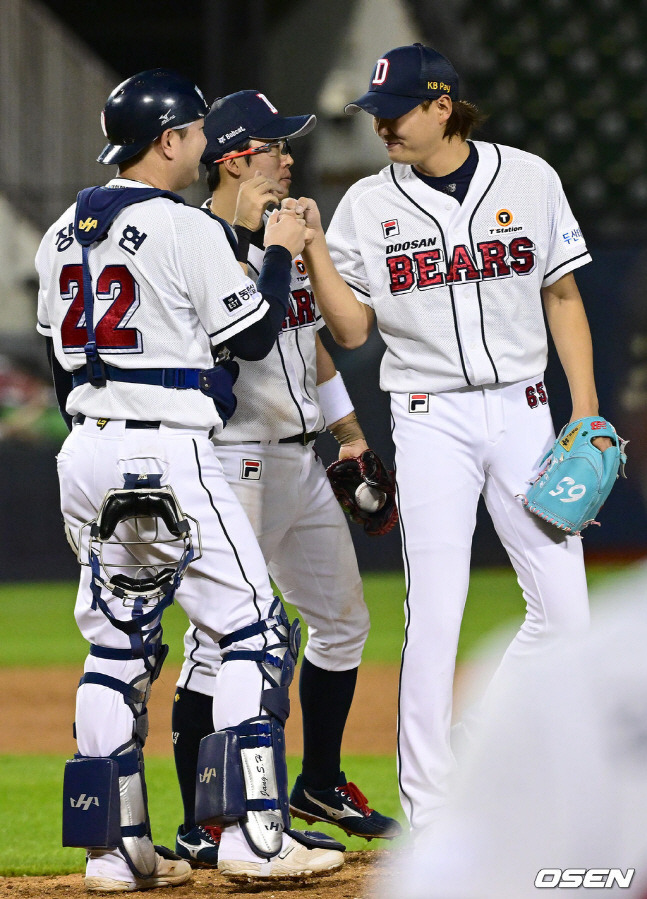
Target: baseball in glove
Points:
(365, 490)
(576, 477)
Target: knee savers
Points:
(105, 807)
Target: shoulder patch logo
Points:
(390, 228)
(88, 224)
(568, 439)
(234, 301)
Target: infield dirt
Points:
(39, 703)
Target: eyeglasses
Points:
(282, 145)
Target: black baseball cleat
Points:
(345, 806)
(199, 846)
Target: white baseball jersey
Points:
(302, 532)
(277, 395)
(159, 303)
(456, 290)
(456, 287)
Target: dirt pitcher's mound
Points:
(40, 704)
(354, 881)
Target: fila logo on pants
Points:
(250, 470)
(418, 402)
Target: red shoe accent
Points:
(358, 798)
(214, 832)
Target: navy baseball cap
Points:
(403, 78)
(236, 118)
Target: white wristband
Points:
(334, 400)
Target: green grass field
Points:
(38, 630)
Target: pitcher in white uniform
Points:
(456, 249)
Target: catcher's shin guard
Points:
(242, 774)
(105, 801)
(105, 807)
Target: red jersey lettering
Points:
(427, 265)
(522, 257)
(462, 267)
(494, 264)
(401, 273)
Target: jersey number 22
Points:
(116, 285)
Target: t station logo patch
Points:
(418, 402)
(250, 469)
(506, 222)
(390, 228)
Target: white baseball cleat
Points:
(294, 862)
(168, 873)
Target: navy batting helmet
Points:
(142, 107)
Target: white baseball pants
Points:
(304, 538)
(481, 440)
(226, 589)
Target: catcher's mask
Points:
(145, 520)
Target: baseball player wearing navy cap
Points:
(267, 454)
(138, 292)
(456, 249)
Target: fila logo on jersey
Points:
(493, 259)
(418, 402)
(250, 469)
(390, 228)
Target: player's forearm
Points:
(570, 330)
(326, 368)
(256, 341)
(62, 382)
(349, 320)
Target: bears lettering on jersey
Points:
(429, 268)
(301, 311)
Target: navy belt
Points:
(304, 439)
(79, 418)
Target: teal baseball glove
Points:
(576, 477)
